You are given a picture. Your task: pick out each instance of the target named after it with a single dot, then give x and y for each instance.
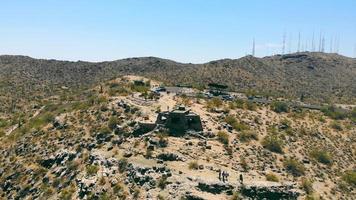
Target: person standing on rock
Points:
(219, 174)
(241, 179)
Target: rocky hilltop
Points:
(117, 140)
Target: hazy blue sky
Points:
(184, 30)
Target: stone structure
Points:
(179, 121)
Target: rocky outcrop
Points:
(270, 191)
(60, 158)
(215, 187)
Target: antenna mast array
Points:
(253, 47)
(284, 43)
(299, 42)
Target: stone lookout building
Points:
(179, 120)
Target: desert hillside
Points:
(314, 77)
(99, 143)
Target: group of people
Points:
(223, 176)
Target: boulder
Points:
(215, 187)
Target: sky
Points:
(195, 31)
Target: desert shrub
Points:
(123, 165)
(163, 140)
(334, 113)
(235, 196)
(223, 137)
(273, 143)
(294, 167)
(113, 121)
(136, 193)
(162, 182)
(321, 156)
(2, 133)
(41, 120)
(3, 123)
(119, 191)
(307, 185)
(239, 103)
(161, 197)
(214, 103)
(244, 164)
(336, 125)
(92, 170)
(67, 193)
(105, 131)
(251, 106)
(80, 105)
(193, 165)
(279, 107)
(272, 177)
(240, 126)
(149, 153)
(230, 120)
(350, 178)
(246, 136)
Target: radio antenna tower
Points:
(320, 42)
(313, 45)
(331, 44)
(290, 43)
(298, 42)
(253, 47)
(284, 43)
(323, 44)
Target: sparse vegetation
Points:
(294, 167)
(321, 156)
(273, 143)
(246, 136)
(350, 178)
(279, 107)
(272, 177)
(162, 182)
(193, 165)
(307, 185)
(223, 137)
(92, 170)
(334, 113)
(336, 126)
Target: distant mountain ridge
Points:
(316, 76)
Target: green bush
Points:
(3, 123)
(279, 107)
(273, 143)
(336, 125)
(334, 113)
(214, 103)
(350, 178)
(162, 182)
(230, 120)
(193, 165)
(321, 156)
(113, 121)
(307, 185)
(251, 106)
(92, 170)
(246, 136)
(294, 167)
(123, 164)
(272, 177)
(223, 137)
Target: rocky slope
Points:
(83, 147)
(317, 77)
